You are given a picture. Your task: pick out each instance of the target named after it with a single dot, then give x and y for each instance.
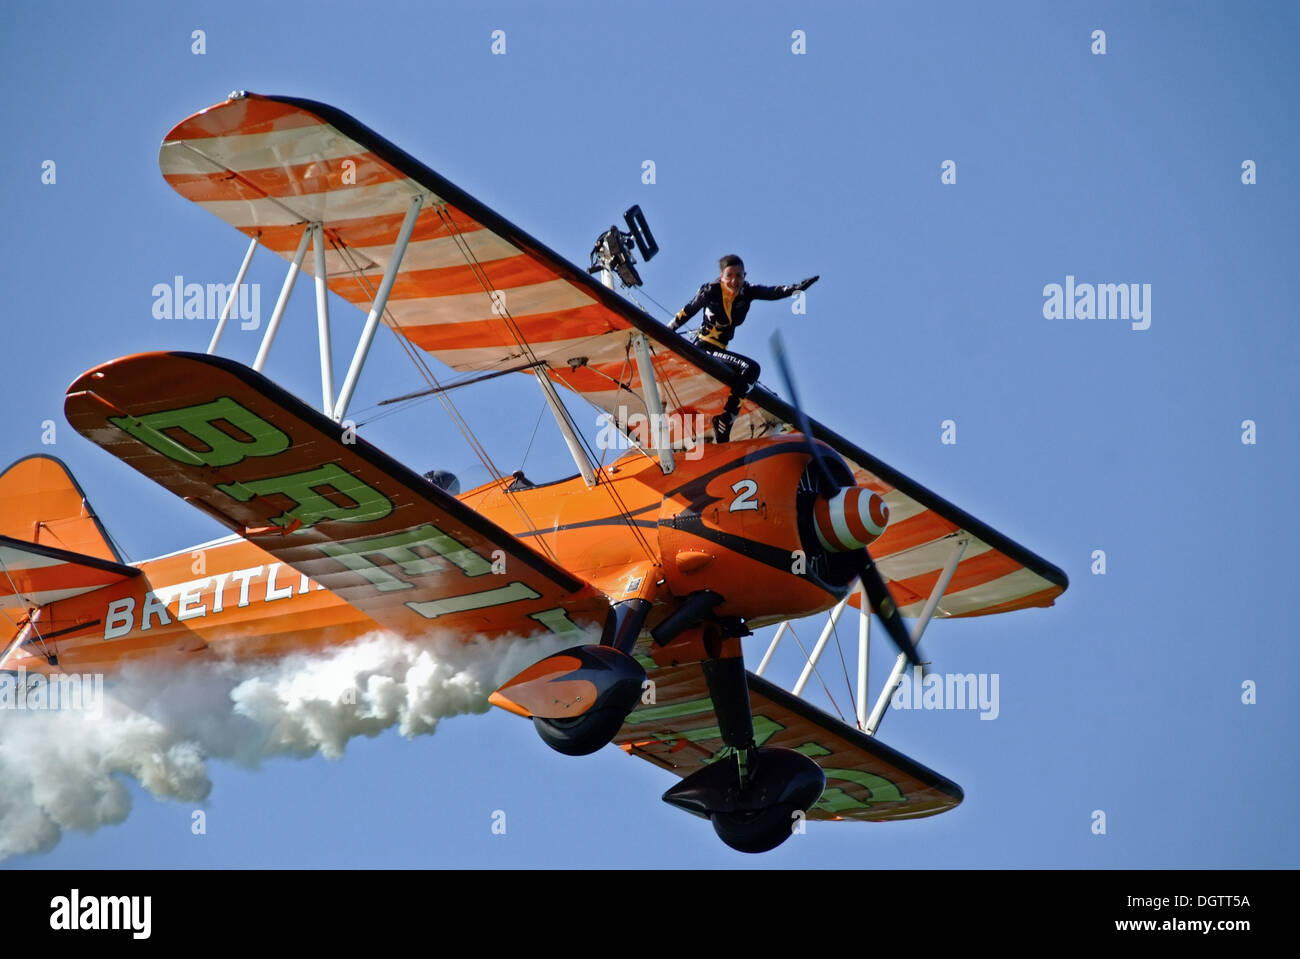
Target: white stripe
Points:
(927, 558)
(352, 203)
(901, 507)
(320, 143)
(864, 514)
(444, 251)
(520, 301)
(840, 522)
(826, 544)
(433, 254)
(470, 360)
(43, 598)
(1004, 589)
(16, 559)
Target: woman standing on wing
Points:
(726, 302)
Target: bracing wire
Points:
(448, 404)
(501, 309)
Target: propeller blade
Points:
(886, 610)
(805, 427)
(882, 601)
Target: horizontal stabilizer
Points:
(32, 576)
(323, 501)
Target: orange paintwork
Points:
(586, 532)
(279, 613)
(546, 689)
(41, 503)
(264, 610)
(236, 599)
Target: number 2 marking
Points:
(744, 490)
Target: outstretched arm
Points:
(690, 309)
(780, 292)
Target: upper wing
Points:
(481, 294)
(325, 502)
(865, 779)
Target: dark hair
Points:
(730, 260)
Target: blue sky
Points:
(1072, 435)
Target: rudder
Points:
(41, 503)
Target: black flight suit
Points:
(717, 330)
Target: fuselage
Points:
(729, 520)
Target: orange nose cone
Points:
(851, 519)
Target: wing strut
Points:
(377, 309)
(654, 406)
(821, 643)
(566, 427)
(278, 313)
(900, 665)
(864, 653)
(323, 321)
(767, 657)
(865, 723)
(234, 294)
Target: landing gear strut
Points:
(754, 797)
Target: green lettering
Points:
(812, 749)
(837, 801)
(557, 621)
(671, 711)
(764, 729)
(399, 548)
(882, 790)
(432, 609)
(199, 422)
(311, 506)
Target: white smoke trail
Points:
(59, 769)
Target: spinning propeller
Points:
(856, 515)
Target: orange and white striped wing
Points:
(480, 294)
(473, 290)
(994, 574)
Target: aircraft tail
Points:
(52, 545)
(41, 503)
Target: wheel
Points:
(581, 735)
(756, 830)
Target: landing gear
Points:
(579, 698)
(757, 830)
(585, 734)
(754, 797)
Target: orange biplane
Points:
(654, 565)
